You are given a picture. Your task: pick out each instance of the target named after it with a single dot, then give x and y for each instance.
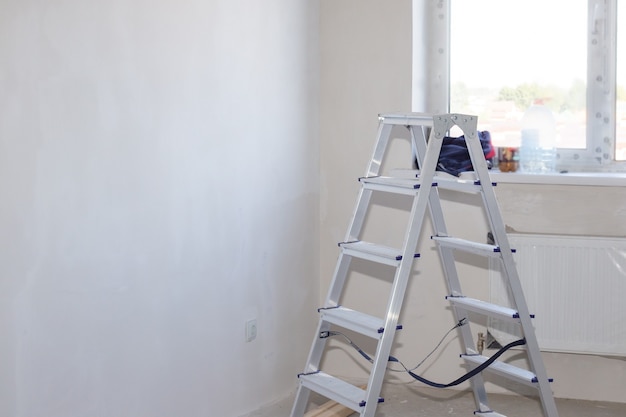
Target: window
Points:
(568, 54)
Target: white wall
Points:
(158, 187)
(365, 71)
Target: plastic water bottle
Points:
(538, 144)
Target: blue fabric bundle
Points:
(454, 157)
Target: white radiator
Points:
(575, 286)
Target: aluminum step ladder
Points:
(423, 187)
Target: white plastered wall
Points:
(159, 187)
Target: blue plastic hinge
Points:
(516, 316)
(382, 329)
(380, 400)
(535, 380)
(399, 257)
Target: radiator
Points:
(575, 286)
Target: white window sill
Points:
(602, 179)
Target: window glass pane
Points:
(505, 55)
(620, 119)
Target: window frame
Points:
(601, 90)
(431, 83)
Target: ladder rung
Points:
(511, 372)
(373, 252)
(483, 307)
(407, 119)
(335, 389)
(482, 249)
(407, 186)
(354, 320)
(443, 180)
(456, 184)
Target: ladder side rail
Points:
(532, 345)
(339, 279)
(398, 289)
(343, 265)
(517, 292)
(454, 288)
(384, 132)
(301, 401)
(499, 232)
(359, 214)
(312, 365)
(419, 143)
(319, 344)
(453, 284)
(440, 229)
(373, 169)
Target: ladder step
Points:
(406, 186)
(455, 184)
(483, 307)
(373, 252)
(335, 389)
(511, 372)
(354, 320)
(482, 249)
(443, 180)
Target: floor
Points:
(415, 401)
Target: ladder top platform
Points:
(414, 119)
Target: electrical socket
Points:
(251, 330)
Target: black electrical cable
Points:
(457, 381)
(461, 322)
(473, 372)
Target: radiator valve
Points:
(480, 343)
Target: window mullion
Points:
(601, 82)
